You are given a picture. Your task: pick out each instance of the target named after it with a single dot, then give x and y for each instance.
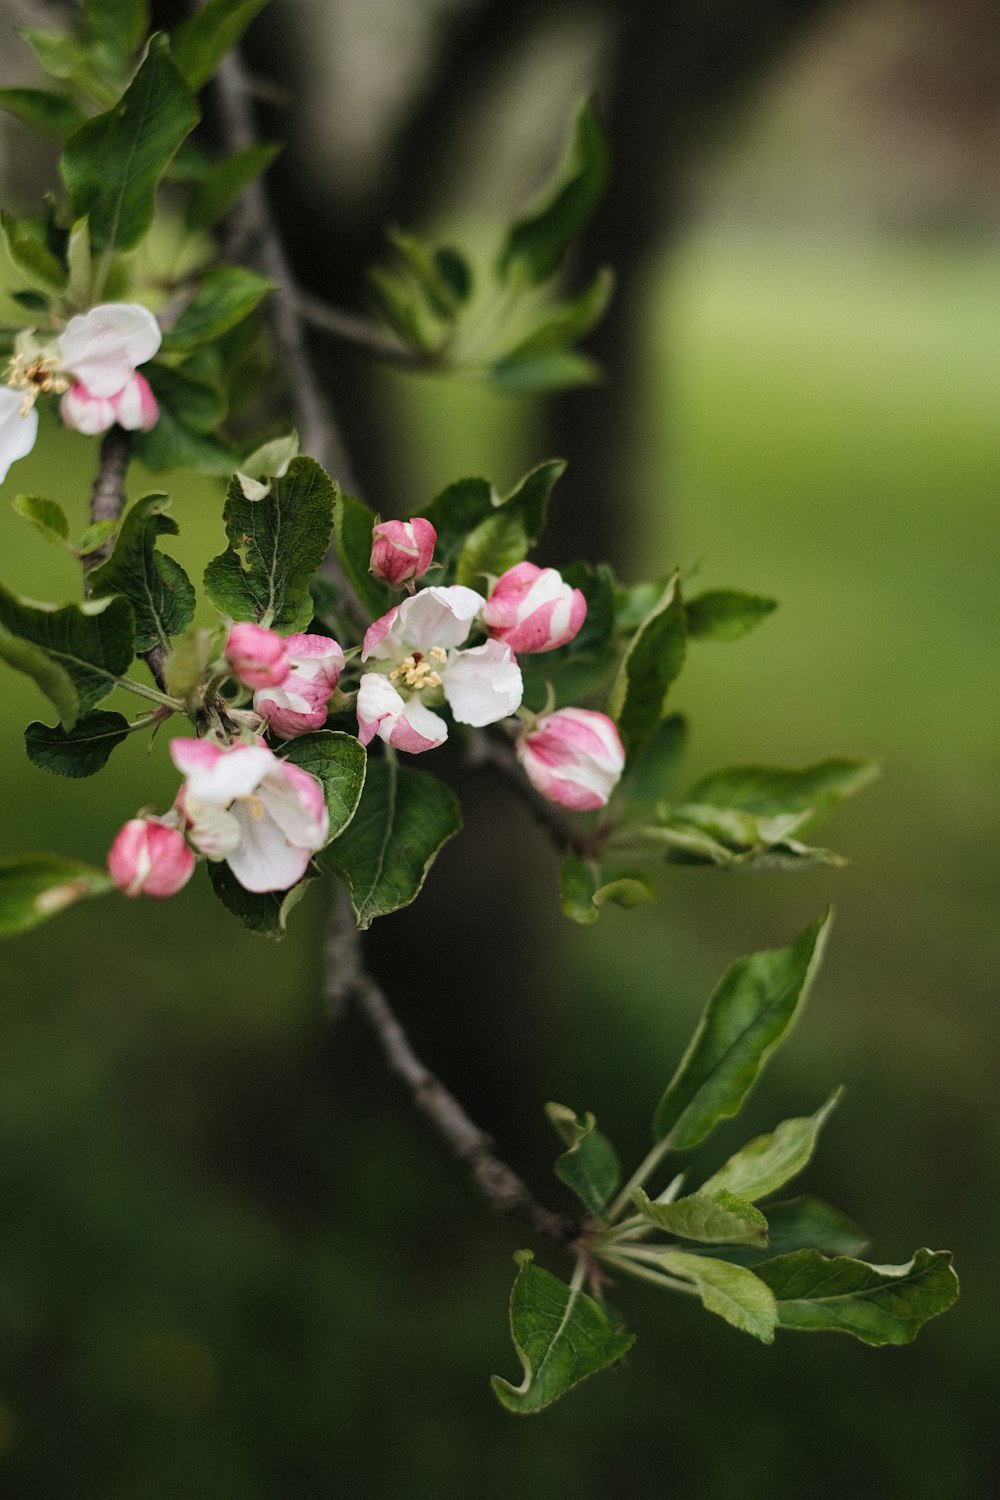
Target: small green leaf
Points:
(117, 25)
(749, 1013)
(568, 321)
(95, 536)
(275, 546)
(536, 243)
(769, 1161)
(35, 262)
(422, 262)
(651, 663)
(769, 790)
(650, 768)
(590, 1166)
(805, 1223)
(505, 537)
(454, 270)
(186, 661)
(157, 587)
(627, 891)
(714, 1219)
(46, 516)
(725, 614)
(577, 885)
(877, 1304)
(545, 370)
(220, 188)
(265, 913)
(34, 887)
(80, 265)
(140, 134)
(404, 819)
(75, 654)
(561, 1336)
(80, 751)
(338, 763)
(226, 296)
(403, 310)
(200, 44)
(56, 114)
(64, 56)
(731, 1291)
(353, 522)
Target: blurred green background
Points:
(234, 1264)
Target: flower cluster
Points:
(93, 365)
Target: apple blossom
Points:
(104, 347)
(573, 756)
(298, 704)
(258, 657)
(265, 817)
(133, 407)
(533, 609)
(418, 642)
(402, 550)
(150, 857)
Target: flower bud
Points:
(257, 656)
(574, 757)
(133, 407)
(150, 858)
(533, 609)
(298, 705)
(402, 550)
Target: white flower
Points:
(418, 641)
(104, 347)
(18, 429)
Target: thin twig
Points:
(348, 979)
(361, 333)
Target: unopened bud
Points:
(258, 657)
(150, 858)
(574, 757)
(533, 609)
(402, 550)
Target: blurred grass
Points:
(229, 1269)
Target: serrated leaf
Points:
(226, 296)
(47, 516)
(353, 522)
(56, 114)
(651, 663)
(804, 1223)
(770, 790)
(160, 592)
(877, 1304)
(726, 614)
(275, 546)
(338, 763)
(714, 1219)
(731, 1291)
(31, 257)
(536, 243)
(531, 374)
(200, 44)
(769, 1161)
(561, 1336)
(140, 135)
(80, 751)
(75, 653)
(506, 536)
(34, 887)
(266, 912)
(403, 821)
(751, 1010)
(650, 768)
(590, 1166)
(220, 188)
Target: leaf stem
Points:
(647, 1166)
(647, 1273)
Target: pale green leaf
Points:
(34, 887)
(47, 516)
(731, 1291)
(715, 1219)
(725, 614)
(769, 1161)
(590, 1166)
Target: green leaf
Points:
(536, 243)
(578, 879)
(437, 288)
(80, 751)
(402, 309)
(46, 516)
(226, 296)
(590, 1167)
(545, 370)
(275, 546)
(265, 913)
(561, 1336)
(34, 887)
(725, 614)
(35, 262)
(650, 768)
(220, 188)
(186, 661)
(157, 588)
(64, 56)
(454, 271)
(769, 1161)
(191, 405)
(877, 1304)
(731, 1291)
(338, 763)
(653, 660)
(200, 44)
(715, 1219)
(117, 27)
(56, 114)
(456, 511)
(353, 522)
(805, 1223)
(80, 265)
(139, 135)
(749, 1013)
(568, 320)
(627, 891)
(95, 536)
(505, 537)
(75, 654)
(764, 790)
(404, 819)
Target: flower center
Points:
(417, 671)
(36, 375)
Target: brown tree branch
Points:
(489, 754)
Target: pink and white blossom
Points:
(258, 657)
(574, 757)
(104, 347)
(298, 704)
(533, 609)
(418, 642)
(133, 407)
(265, 817)
(402, 550)
(150, 857)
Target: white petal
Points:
(265, 860)
(437, 617)
(232, 773)
(213, 832)
(104, 346)
(484, 684)
(17, 433)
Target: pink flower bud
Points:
(150, 858)
(402, 550)
(533, 609)
(257, 656)
(573, 757)
(298, 705)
